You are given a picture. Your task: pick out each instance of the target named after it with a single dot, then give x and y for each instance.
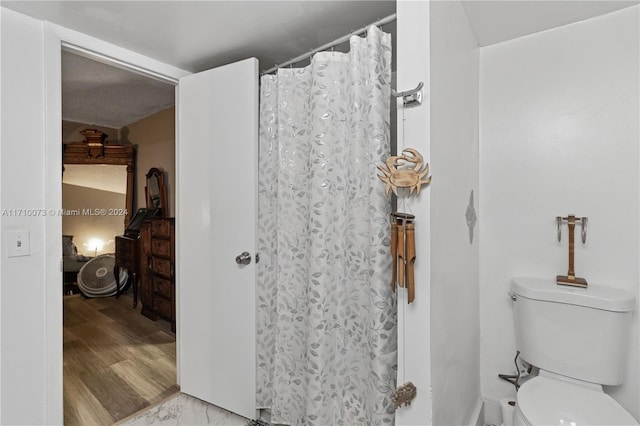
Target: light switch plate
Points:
(18, 243)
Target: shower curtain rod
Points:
(331, 44)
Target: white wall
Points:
(559, 134)
(23, 174)
(2, 249)
(414, 359)
(31, 177)
(84, 227)
(455, 317)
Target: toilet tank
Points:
(581, 333)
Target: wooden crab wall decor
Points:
(398, 175)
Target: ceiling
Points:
(497, 21)
(198, 35)
(98, 94)
(192, 35)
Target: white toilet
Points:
(577, 337)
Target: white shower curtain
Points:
(326, 313)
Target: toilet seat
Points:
(549, 401)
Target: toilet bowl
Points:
(551, 400)
(578, 339)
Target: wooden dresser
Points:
(157, 258)
(127, 250)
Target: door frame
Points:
(55, 39)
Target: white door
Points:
(217, 221)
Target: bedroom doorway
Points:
(116, 360)
(186, 336)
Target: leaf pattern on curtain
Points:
(326, 338)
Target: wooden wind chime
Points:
(403, 253)
(407, 172)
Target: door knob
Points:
(244, 258)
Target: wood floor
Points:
(116, 361)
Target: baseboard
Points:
(491, 412)
(476, 418)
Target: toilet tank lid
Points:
(594, 296)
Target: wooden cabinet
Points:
(145, 271)
(157, 283)
(127, 250)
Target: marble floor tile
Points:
(185, 410)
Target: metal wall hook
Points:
(410, 98)
(583, 231)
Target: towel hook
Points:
(410, 98)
